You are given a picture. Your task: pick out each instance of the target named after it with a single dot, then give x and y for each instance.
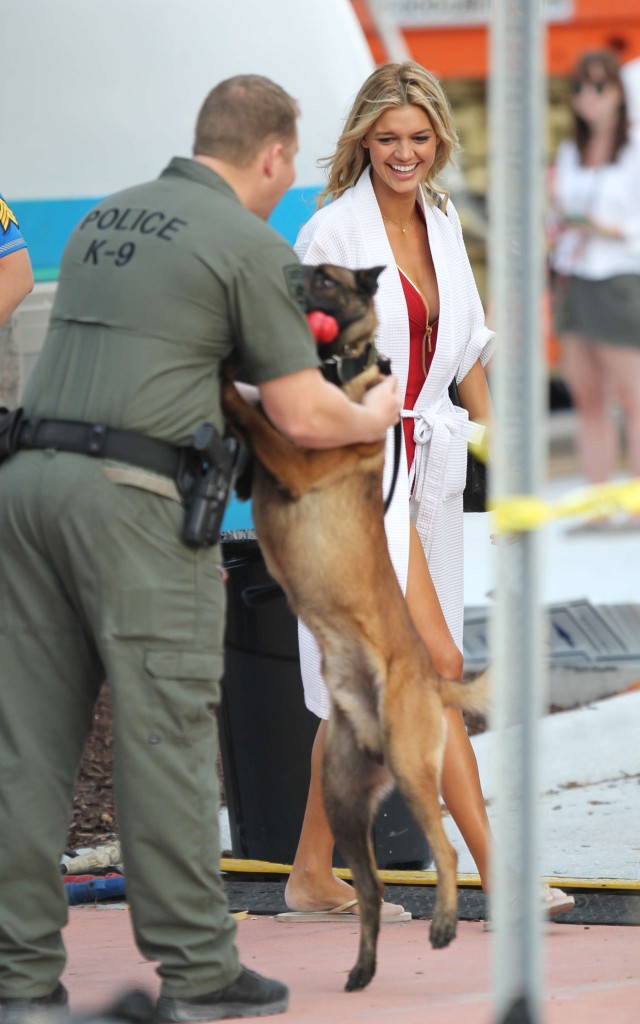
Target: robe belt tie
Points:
(438, 425)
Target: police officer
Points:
(158, 285)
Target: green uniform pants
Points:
(95, 583)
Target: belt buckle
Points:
(97, 439)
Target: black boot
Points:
(19, 1010)
(250, 995)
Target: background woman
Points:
(596, 203)
(386, 209)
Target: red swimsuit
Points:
(421, 352)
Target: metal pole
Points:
(516, 261)
(390, 35)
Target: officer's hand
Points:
(385, 401)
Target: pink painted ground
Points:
(592, 977)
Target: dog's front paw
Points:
(360, 975)
(356, 388)
(443, 929)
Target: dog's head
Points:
(347, 296)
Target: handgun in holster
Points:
(217, 464)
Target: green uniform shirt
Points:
(158, 285)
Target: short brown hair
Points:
(389, 86)
(240, 115)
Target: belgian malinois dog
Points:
(319, 520)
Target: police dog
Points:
(319, 520)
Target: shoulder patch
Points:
(294, 277)
(6, 216)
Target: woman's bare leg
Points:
(460, 782)
(312, 884)
(622, 382)
(596, 435)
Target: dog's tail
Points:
(472, 696)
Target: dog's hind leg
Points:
(353, 784)
(426, 811)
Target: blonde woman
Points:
(386, 208)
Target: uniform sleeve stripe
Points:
(12, 246)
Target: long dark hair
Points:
(607, 63)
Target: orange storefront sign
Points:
(460, 50)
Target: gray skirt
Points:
(606, 311)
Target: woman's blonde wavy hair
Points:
(390, 85)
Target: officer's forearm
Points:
(316, 414)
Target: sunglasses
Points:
(598, 87)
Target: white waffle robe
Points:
(350, 233)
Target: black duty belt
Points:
(102, 442)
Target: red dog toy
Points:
(324, 328)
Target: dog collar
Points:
(340, 370)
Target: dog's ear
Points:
(367, 280)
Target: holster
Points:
(206, 488)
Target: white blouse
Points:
(609, 194)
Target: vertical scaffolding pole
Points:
(516, 261)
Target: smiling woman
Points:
(387, 208)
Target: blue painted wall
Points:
(47, 223)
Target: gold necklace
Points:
(399, 226)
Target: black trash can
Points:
(266, 732)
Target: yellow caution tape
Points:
(479, 445)
(518, 513)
